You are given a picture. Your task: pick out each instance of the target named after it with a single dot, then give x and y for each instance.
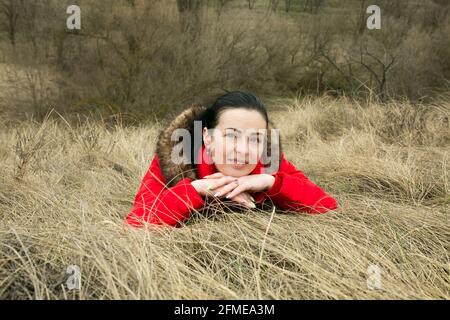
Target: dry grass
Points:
(65, 191)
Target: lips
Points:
(238, 162)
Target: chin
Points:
(230, 171)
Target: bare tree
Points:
(189, 11)
(360, 65)
(273, 5)
(287, 5)
(251, 3)
(221, 4)
(313, 6)
(10, 10)
(361, 18)
(380, 69)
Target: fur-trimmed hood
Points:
(173, 173)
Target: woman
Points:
(236, 157)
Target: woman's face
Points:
(237, 142)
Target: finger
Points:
(218, 189)
(227, 189)
(223, 181)
(247, 197)
(241, 200)
(215, 184)
(236, 191)
(243, 195)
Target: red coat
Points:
(157, 204)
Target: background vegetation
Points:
(142, 58)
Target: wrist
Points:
(196, 185)
(270, 181)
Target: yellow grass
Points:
(64, 192)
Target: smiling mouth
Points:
(236, 162)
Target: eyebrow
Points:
(235, 129)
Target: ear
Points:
(206, 137)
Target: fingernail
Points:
(209, 187)
(252, 198)
(228, 196)
(217, 194)
(252, 205)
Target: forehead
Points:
(241, 118)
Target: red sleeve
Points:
(155, 203)
(292, 190)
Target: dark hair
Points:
(231, 100)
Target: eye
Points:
(231, 135)
(254, 139)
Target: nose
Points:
(241, 146)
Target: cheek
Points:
(222, 150)
(255, 154)
(216, 151)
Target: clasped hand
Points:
(235, 189)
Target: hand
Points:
(245, 199)
(208, 186)
(251, 183)
(213, 186)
